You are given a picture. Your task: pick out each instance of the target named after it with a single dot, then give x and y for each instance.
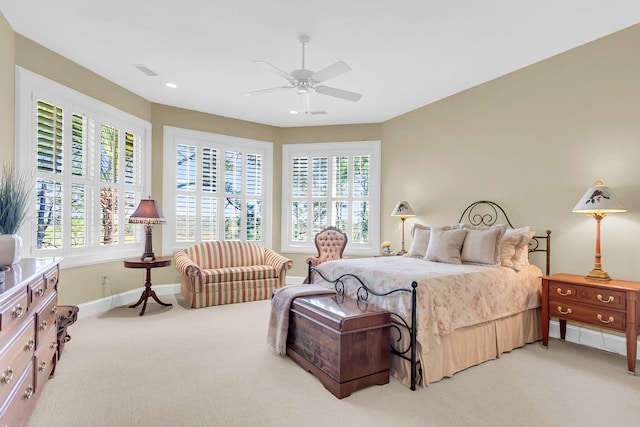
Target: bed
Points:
(464, 293)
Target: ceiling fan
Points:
(304, 80)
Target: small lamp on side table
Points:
(404, 211)
(147, 213)
(598, 201)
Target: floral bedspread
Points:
(448, 296)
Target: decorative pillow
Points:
(514, 247)
(419, 240)
(482, 244)
(445, 245)
(420, 235)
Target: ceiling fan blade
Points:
(330, 72)
(338, 93)
(273, 89)
(277, 70)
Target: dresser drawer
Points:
(598, 316)
(12, 313)
(600, 296)
(42, 289)
(45, 359)
(20, 403)
(15, 355)
(46, 319)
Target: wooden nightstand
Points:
(611, 304)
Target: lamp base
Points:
(598, 274)
(401, 252)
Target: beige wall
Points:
(7, 98)
(533, 140)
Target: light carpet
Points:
(177, 366)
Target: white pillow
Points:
(482, 244)
(514, 247)
(420, 235)
(420, 241)
(445, 245)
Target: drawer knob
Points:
(28, 393)
(7, 376)
(564, 312)
(607, 301)
(565, 294)
(43, 366)
(54, 279)
(54, 344)
(43, 325)
(605, 321)
(40, 291)
(31, 344)
(18, 311)
(54, 310)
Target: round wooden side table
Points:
(148, 264)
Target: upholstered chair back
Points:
(330, 244)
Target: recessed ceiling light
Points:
(172, 85)
(293, 112)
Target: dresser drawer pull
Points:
(40, 291)
(564, 312)
(28, 393)
(605, 321)
(54, 310)
(18, 311)
(8, 375)
(54, 344)
(43, 325)
(601, 299)
(31, 344)
(566, 294)
(54, 280)
(43, 366)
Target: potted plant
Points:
(14, 202)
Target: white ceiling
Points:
(403, 53)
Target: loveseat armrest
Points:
(185, 265)
(277, 261)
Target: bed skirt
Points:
(471, 346)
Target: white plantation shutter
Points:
(341, 176)
(219, 188)
(90, 171)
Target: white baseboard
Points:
(592, 338)
(575, 334)
(104, 304)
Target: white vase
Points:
(10, 249)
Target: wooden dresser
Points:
(611, 304)
(344, 343)
(28, 336)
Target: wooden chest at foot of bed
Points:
(344, 343)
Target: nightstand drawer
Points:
(597, 316)
(600, 296)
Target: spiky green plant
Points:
(14, 199)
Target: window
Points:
(90, 165)
(334, 184)
(214, 188)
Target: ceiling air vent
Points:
(149, 72)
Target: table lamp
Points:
(403, 210)
(147, 213)
(598, 201)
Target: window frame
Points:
(172, 137)
(31, 87)
(332, 149)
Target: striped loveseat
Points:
(225, 272)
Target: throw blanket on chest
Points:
(279, 319)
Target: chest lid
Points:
(341, 313)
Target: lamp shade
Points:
(598, 199)
(147, 212)
(403, 209)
